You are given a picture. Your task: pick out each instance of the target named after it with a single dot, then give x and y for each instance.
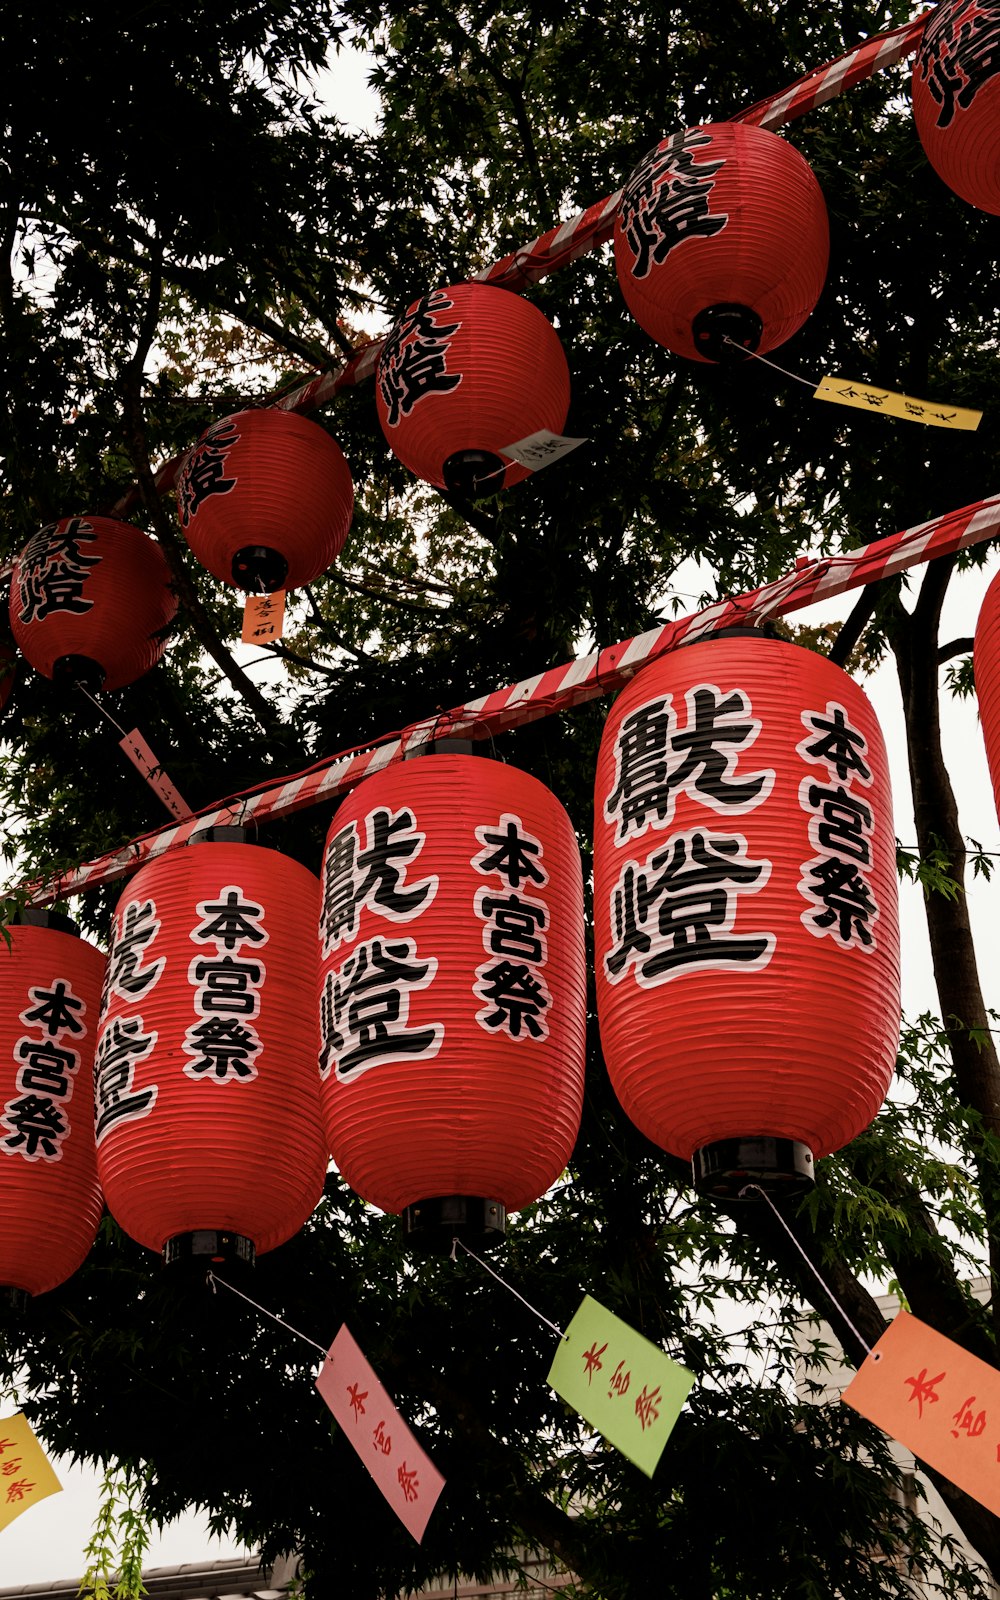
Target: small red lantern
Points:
(453, 993)
(721, 242)
(265, 499)
(209, 1135)
(90, 600)
(986, 665)
(746, 929)
(465, 373)
(50, 1202)
(956, 98)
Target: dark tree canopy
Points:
(187, 231)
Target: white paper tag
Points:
(539, 449)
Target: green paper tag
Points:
(620, 1382)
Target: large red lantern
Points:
(468, 371)
(50, 1202)
(90, 600)
(209, 1136)
(956, 98)
(265, 499)
(721, 241)
(986, 664)
(746, 930)
(453, 993)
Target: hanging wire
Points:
(456, 1244)
(754, 1188)
(215, 1282)
(810, 383)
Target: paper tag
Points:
(939, 1401)
(141, 756)
(263, 617)
(537, 450)
(620, 1382)
(405, 1474)
(25, 1474)
(845, 392)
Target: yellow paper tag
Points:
(25, 1474)
(263, 617)
(935, 414)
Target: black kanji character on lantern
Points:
(959, 53)
(374, 876)
(226, 984)
(843, 821)
(122, 1044)
(516, 999)
(678, 911)
(126, 976)
(56, 1010)
(223, 1047)
(204, 472)
(847, 902)
(366, 1005)
(47, 1068)
(667, 201)
(53, 570)
(231, 920)
(413, 362)
(513, 925)
(36, 1127)
(655, 759)
(836, 743)
(514, 853)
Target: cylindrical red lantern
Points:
(746, 929)
(90, 600)
(721, 241)
(265, 499)
(50, 1202)
(956, 98)
(468, 371)
(453, 993)
(209, 1135)
(986, 665)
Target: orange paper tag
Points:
(939, 1401)
(263, 617)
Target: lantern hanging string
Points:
(754, 1188)
(456, 1244)
(810, 383)
(214, 1282)
(102, 709)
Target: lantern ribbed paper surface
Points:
(470, 369)
(266, 481)
(745, 899)
(986, 662)
(721, 230)
(453, 992)
(205, 1079)
(88, 598)
(956, 98)
(50, 1202)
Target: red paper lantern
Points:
(986, 665)
(209, 1135)
(721, 234)
(50, 1202)
(90, 599)
(468, 371)
(453, 993)
(265, 499)
(746, 928)
(956, 98)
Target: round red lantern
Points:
(746, 930)
(50, 1202)
(721, 241)
(265, 499)
(90, 600)
(468, 371)
(209, 1136)
(956, 98)
(452, 993)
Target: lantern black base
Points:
(431, 1225)
(79, 669)
(781, 1167)
(209, 1247)
(12, 1299)
(726, 332)
(42, 917)
(474, 472)
(257, 567)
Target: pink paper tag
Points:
(405, 1474)
(141, 756)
